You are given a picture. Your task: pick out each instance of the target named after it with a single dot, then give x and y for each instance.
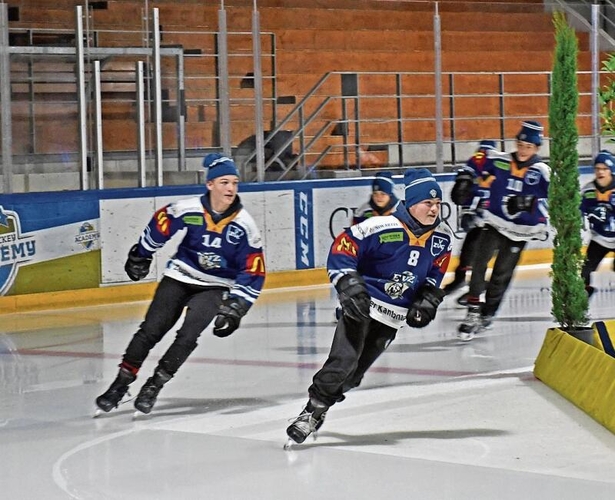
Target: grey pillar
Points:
(140, 101)
(258, 96)
(98, 136)
(81, 98)
(224, 106)
(438, 91)
(5, 97)
(157, 84)
(595, 54)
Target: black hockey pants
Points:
(169, 301)
(469, 248)
(355, 347)
(595, 253)
(508, 252)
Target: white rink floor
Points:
(434, 419)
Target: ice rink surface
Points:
(435, 418)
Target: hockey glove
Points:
(516, 204)
(229, 315)
(353, 296)
(137, 267)
(423, 309)
(600, 213)
(463, 189)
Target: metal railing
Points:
(209, 101)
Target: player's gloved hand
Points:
(520, 203)
(600, 213)
(353, 296)
(423, 309)
(463, 190)
(229, 315)
(137, 267)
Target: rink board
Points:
(581, 373)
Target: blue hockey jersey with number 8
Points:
(395, 256)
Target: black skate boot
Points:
(476, 321)
(471, 325)
(149, 392)
(118, 388)
(309, 420)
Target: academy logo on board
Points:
(88, 236)
(15, 248)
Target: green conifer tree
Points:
(569, 299)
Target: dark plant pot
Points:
(583, 333)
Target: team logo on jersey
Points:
(15, 248)
(399, 284)
(234, 234)
(163, 224)
(438, 245)
(210, 260)
(346, 246)
(256, 264)
(532, 178)
(87, 236)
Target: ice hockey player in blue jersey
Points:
(598, 205)
(387, 272)
(382, 201)
(466, 194)
(215, 275)
(515, 213)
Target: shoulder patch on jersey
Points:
(245, 221)
(391, 237)
(532, 177)
(445, 236)
(439, 244)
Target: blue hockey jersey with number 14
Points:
(395, 256)
(221, 250)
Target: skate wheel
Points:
(97, 413)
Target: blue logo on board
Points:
(15, 248)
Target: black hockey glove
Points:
(137, 267)
(423, 309)
(353, 296)
(229, 315)
(600, 213)
(516, 204)
(463, 190)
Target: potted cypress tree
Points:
(569, 299)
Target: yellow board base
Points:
(145, 291)
(581, 373)
(136, 292)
